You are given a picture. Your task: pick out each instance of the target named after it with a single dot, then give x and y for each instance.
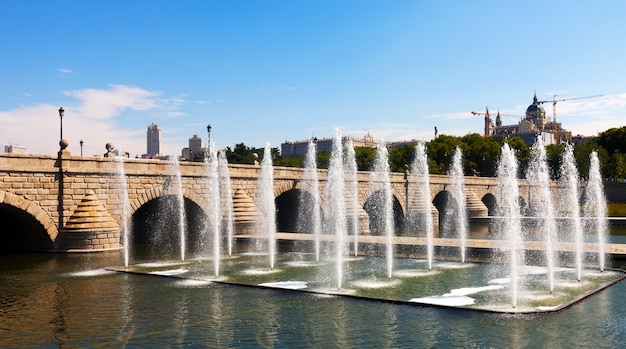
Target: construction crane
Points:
(554, 100)
(488, 119)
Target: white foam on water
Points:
(169, 272)
(472, 290)
(93, 272)
(572, 283)
(448, 300)
(159, 264)
(370, 283)
(501, 281)
(453, 265)
(409, 273)
(260, 271)
(303, 264)
(546, 308)
(192, 283)
(291, 285)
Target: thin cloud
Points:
(66, 71)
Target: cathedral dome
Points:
(535, 111)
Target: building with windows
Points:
(195, 148)
(534, 124)
(15, 149)
(288, 149)
(153, 140)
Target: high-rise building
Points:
(195, 148)
(154, 140)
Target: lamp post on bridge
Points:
(61, 143)
(81, 147)
(208, 146)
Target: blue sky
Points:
(276, 70)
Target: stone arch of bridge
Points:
(33, 209)
(163, 190)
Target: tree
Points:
(440, 152)
(400, 156)
(364, 158)
(613, 140)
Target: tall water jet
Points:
(538, 175)
(350, 168)
(180, 201)
(213, 204)
(309, 215)
(265, 199)
(224, 175)
(594, 208)
(568, 204)
(126, 225)
(421, 179)
(336, 209)
(509, 217)
(457, 189)
(379, 182)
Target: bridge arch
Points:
(372, 204)
(26, 215)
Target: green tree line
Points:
(480, 155)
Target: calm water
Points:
(70, 301)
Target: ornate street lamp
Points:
(61, 111)
(81, 147)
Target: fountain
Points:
(309, 214)
(353, 192)
(594, 207)
(568, 204)
(379, 182)
(509, 213)
(224, 177)
(457, 189)
(213, 206)
(336, 210)
(421, 183)
(265, 201)
(180, 201)
(509, 286)
(538, 176)
(126, 225)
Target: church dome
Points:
(535, 111)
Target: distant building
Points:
(195, 147)
(153, 140)
(533, 125)
(15, 149)
(288, 149)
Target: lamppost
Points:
(61, 111)
(208, 130)
(81, 147)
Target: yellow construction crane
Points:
(554, 100)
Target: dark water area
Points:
(72, 301)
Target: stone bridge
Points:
(74, 203)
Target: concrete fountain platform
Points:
(297, 276)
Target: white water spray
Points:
(569, 204)
(594, 209)
(421, 179)
(126, 225)
(458, 192)
(309, 214)
(336, 211)
(213, 204)
(353, 192)
(224, 175)
(379, 181)
(178, 191)
(538, 175)
(509, 213)
(266, 201)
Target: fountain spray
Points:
(569, 203)
(420, 176)
(266, 201)
(458, 192)
(594, 208)
(379, 181)
(336, 211)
